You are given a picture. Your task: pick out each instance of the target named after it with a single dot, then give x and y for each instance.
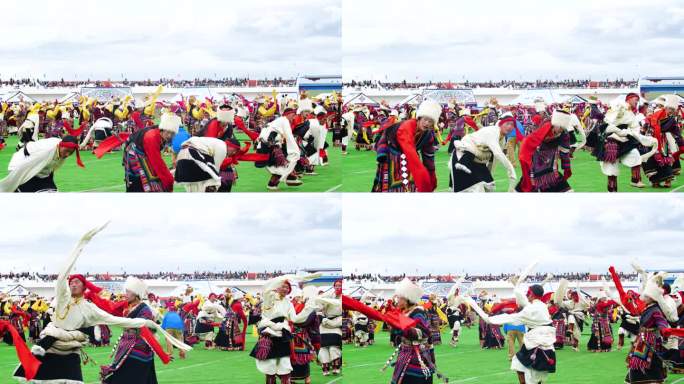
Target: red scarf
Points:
(527, 148)
(28, 361)
(64, 144)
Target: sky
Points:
(516, 40)
(78, 39)
(171, 233)
(479, 234)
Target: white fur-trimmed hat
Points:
(169, 122)
(671, 101)
(103, 122)
(409, 290)
(539, 104)
(136, 286)
(429, 108)
(654, 288)
(319, 109)
(561, 118)
(619, 114)
(305, 105)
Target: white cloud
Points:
(496, 233)
(142, 39)
(171, 233)
(499, 39)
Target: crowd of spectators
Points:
(571, 276)
(169, 276)
(177, 83)
(511, 84)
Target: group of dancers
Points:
(285, 136)
(539, 139)
(294, 323)
(539, 321)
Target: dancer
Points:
(543, 153)
(472, 161)
(33, 167)
(415, 362)
(536, 358)
(272, 350)
(62, 340)
(277, 140)
(330, 354)
(400, 167)
(601, 339)
(145, 169)
(133, 357)
(644, 361)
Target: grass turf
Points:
(467, 363)
(359, 171)
(200, 366)
(106, 174)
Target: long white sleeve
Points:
(62, 294)
(495, 146)
(87, 136)
(23, 168)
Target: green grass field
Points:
(200, 366)
(359, 171)
(467, 363)
(106, 174)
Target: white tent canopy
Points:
(359, 98)
(462, 96)
(106, 94)
(575, 99)
(414, 99)
(71, 96)
(17, 96)
(549, 96)
(361, 292)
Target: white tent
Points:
(359, 98)
(575, 99)
(549, 96)
(17, 290)
(69, 97)
(463, 96)
(17, 96)
(414, 99)
(105, 94)
(361, 292)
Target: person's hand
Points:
(90, 234)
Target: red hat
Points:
(87, 284)
(212, 295)
(631, 95)
(536, 291)
(507, 119)
(72, 142)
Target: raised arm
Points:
(62, 294)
